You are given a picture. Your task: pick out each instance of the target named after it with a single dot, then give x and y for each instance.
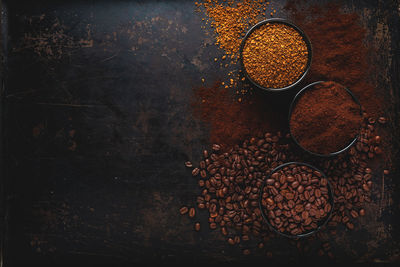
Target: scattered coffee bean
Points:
(382, 120)
(246, 252)
(188, 164)
(233, 179)
(183, 210)
(354, 213)
(195, 171)
(197, 226)
(216, 147)
(192, 212)
(350, 225)
(362, 212)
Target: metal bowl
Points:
(294, 101)
(322, 222)
(281, 21)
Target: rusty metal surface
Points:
(96, 125)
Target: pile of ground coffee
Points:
(325, 118)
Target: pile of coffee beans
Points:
(351, 177)
(231, 181)
(296, 199)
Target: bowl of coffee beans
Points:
(275, 54)
(296, 200)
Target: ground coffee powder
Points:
(325, 118)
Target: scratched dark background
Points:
(96, 125)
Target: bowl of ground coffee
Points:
(275, 54)
(325, 118)
(296, 200)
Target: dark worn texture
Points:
(96, 126)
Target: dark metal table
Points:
(96, 125)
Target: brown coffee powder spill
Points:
(229, 121)
(325, 118)
(339, 50)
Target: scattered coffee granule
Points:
(296, 199)
(275, 55)
(231, 20)
(325, 118)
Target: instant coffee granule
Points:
(275, 55)
(325, 118)
(230, 20)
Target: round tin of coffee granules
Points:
(275, 55)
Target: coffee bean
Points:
(307, 221)
(202, 164)
(382, 120)
(195, 171)
(216, 147)
(197, 226)
(278, 198)
(188, 164)
(270, 181)
(224, 231)
(350, 225)
(183, 210)
(192, 212)
(354, 214)
(246, 252)
(362, 212)
(289, 196)
(231, 241)
(317, 193)
(365, 187)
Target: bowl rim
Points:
(331, 200)
(293, 103)
(282, 21)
